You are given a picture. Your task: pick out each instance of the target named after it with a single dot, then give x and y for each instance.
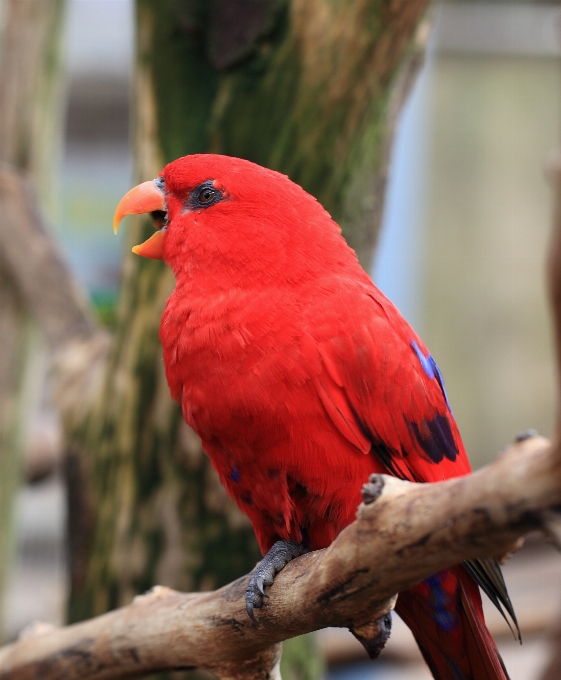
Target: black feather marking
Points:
(489, 577)
(438, 442)
(384, 453)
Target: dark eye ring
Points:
(206, 195)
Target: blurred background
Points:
(461, 253)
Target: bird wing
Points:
(384, 391)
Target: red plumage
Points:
(301, 379)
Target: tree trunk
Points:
(29, 131)
(302, 87)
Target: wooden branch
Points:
(37, 266)
(406, 533)
(50, 292)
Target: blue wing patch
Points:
(431, 369)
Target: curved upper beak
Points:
(144, 198)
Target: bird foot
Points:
(373, 636)
(281, 553)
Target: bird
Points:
(302, 379)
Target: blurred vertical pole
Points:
(304, 88)
(553, 669)
(29, 132)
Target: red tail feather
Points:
(446, 617)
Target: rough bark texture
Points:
(28, 100)
(402, 536)
(297, 86)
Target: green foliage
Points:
(105, 303)
(300, 659)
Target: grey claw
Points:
(259, 585)
(249, 609)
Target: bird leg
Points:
(373, 636)
(281, 553)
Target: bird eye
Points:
(206, 195)
(203, 196)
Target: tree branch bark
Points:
(403, 533)
(43, 278)
(49, 290)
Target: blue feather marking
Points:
(235, 475)
(426, 362)
(430, 367)
(440, 381)
(446, 618)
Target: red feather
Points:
(302, 379)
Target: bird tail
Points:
(445, 615)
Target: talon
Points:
(249, 609)
(259, 586)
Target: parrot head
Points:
(233, 215)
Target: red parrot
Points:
(302, 379)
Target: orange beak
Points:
(144, 198)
